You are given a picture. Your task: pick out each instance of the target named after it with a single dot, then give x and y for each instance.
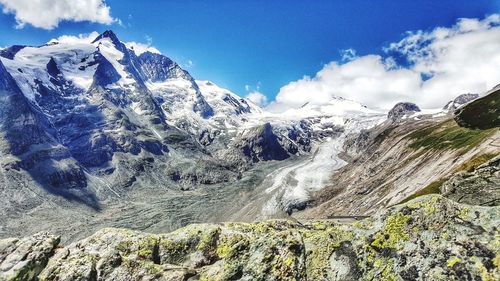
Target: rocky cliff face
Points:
(430, 238)
(460, 101)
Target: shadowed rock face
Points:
(431, 238)
(11, 51)
(401, 109)
(261, 144)
(158, 68)
(28, 135)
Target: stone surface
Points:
(429, 238)
(460, 101)
(401, 110)
(24, 259)
(478, 187)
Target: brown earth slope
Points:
(395, 162)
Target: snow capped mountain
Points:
(95, 122)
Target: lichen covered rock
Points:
(477, 187)
(429, 238)
(24, 259)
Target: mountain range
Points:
(94, 134)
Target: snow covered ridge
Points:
(200, 104)
(83, 63)
(149, 87)
(76, 82)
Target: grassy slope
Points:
(483, 113)
(449, 135)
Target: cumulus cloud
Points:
(258, 98)
(47, 14)
(81, 38)
(140, 48)
(428, 68)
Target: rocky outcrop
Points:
(460, 101)
(402, 109)
(24, 259)
(158, 68)
(10, 52)
(257, 144)
(477, 187)
(430, 238)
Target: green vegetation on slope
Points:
(448, 135)
(475, 162)
(483, 113)
(432, 188)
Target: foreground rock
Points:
(430, 238)
(24, 259)
(477, 187)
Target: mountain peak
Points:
(401, 109)
(107, 34)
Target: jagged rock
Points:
(460, 101)
(158, 68)
(10, 52)
(402, 109)
(477, 187)
(258, 144)
(429, 238)
(24, 259)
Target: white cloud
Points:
(460, 59)
(258, 98)
(47, 14)
(81, 38)
(140, 48)
(348, 54)
(255, 96)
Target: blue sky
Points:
(260, 43)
